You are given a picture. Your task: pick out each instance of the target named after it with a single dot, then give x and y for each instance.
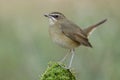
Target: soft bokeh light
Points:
(26, 48)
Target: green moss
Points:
(57, 72)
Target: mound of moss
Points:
(57, 72)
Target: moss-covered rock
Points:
(57, 72)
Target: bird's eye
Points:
(55, 16)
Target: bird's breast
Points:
(61, 39)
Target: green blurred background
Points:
(26, 48)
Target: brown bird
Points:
(67, 34)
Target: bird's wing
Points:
(75, 33)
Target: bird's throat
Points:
(52, 21)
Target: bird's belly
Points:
(63, 41)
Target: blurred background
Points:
(26, 48)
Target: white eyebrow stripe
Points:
(54, 14)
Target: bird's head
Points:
(55, 16)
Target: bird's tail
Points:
(89, 29)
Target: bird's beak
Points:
(46, 15)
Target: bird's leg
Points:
(64, 58)
(73, 53)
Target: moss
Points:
(57, 72)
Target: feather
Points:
(90, 29)
(75, 33)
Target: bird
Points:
(67, 34)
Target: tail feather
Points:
(88, 44)
(91, 28)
